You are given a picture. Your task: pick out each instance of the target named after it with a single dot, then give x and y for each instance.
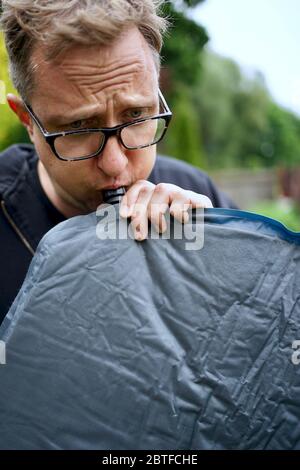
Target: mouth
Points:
(113, 195)
(115, 186)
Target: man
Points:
(87, 72)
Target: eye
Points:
(77, 124)
(136, 113)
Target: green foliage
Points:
(288, 215)
(234, 113)
(181, 75)
(181, 51)
(11, 131)
(240, 124)
(283, 137)
(184, 140)
(192, 3)
(186, 3)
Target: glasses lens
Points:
(144, 133)
(82, 145)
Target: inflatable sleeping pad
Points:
(117, 344)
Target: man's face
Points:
(96, 87)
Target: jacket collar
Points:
(21, 203)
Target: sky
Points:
(262, 35)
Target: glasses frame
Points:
(108, 132)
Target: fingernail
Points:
(138, 234)
(124, 211)
(185, 217)
(163, 226)
(157, 228)
(129, 211)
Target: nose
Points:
(112, 160)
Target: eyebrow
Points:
(84, 114)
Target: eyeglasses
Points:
(83, 144)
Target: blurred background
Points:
(231, 75)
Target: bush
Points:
(11, 130)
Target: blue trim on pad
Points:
(266, 224)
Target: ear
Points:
(17, 106)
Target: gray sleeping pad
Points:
(116, 344)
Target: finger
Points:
(185, 200)
(198, 201)
(180, 206)
(139, 218)
(131, 196)
(159, 204)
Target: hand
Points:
(146, 201)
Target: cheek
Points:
(66, 174)
(43, 150)
(143, 162)
(71, 176)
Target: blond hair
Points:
(60, 24)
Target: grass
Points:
(283, 210)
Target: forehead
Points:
(92, 76)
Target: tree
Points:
(181, 74)
(283, 137)
(11, 131)
(184, 139)
(182, 47)
(234, 114)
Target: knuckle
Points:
(145, 184)
(138, 210)
(206, 201)
(157, 208)
(144, 191)
(154, 211)
(176, 206)
(161, 188)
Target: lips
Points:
(115, 186)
